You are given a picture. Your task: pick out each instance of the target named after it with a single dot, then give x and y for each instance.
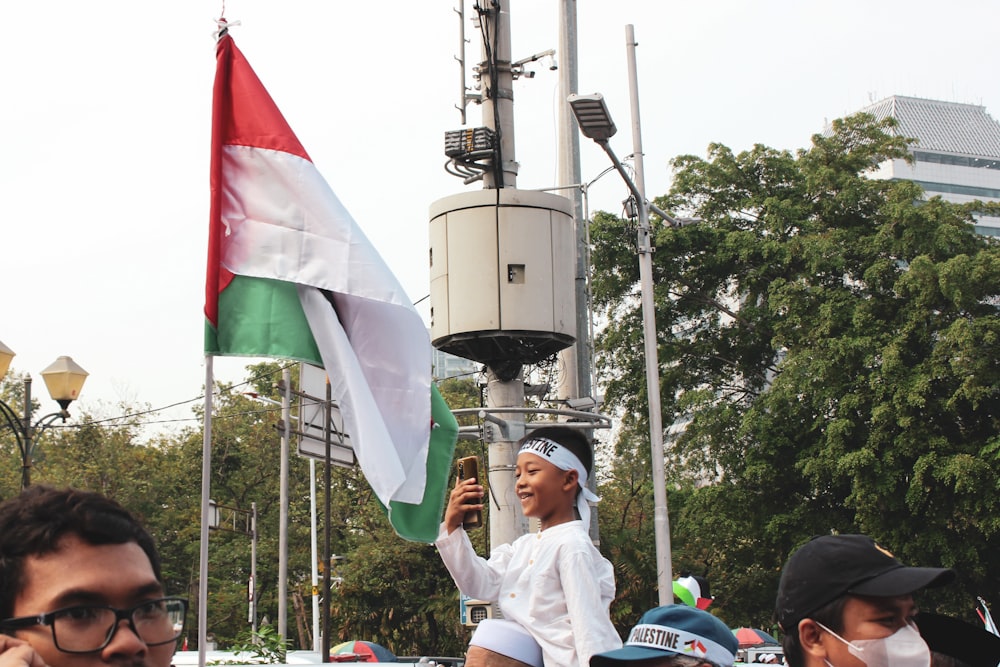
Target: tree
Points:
(830, 342)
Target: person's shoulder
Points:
(571, 537)
(564, 532)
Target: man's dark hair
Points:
(34, 522)
(570, 438)
(831, 615)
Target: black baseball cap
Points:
(829, 566)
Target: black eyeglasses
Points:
(90, 628)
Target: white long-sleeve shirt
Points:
(555, 583)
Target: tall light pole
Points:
(236, 520)
(64, 379)
(595, 123)
(285, 428)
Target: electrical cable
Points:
(103, 423)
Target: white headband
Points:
(679, 641)
(562, 458)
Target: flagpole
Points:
(286, 418)
(206, 487)
(314, 551)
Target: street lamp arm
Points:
(674, 222)
(650, 206)
(603, 143)
(25, 433)
(14, 422)
(47, 421)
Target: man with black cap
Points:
(845, 601)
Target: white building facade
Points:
(445, 365)
(956, 153)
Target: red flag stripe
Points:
(243, 114)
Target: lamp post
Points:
(64, 380)
(595, 123)
(284, 427)
(236, 520)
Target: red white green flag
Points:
(291, 275)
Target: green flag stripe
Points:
(420, 522)
(686, 596)
(260, 317)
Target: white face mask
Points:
(903, 648)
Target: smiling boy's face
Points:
(546, 492)
(78, 573)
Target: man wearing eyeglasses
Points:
(80, 585)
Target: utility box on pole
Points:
(502, 264)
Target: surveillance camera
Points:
(552, 64)
(582, 403)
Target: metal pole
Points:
(462, 100)
(28, 436)
(253, 569)
(317, 641)
(575, 360)
(206, 485)
(661, 521)
(328, 410)
(286, 378)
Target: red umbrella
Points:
(753, 637)
(359, 651)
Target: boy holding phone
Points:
(554, 583)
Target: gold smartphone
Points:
(468, 468)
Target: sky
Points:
(107, 107)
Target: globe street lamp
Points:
(64, 380)
(595, 123)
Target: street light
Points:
(64, 379)
(595, 123)
(236, 520)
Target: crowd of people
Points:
(80, 586)
(843, 600)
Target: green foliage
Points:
(625, 517)
(394, 592)
(829, 342)
(264, 647)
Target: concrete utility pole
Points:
(507, 522)
(575, 367)
(498, 107)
